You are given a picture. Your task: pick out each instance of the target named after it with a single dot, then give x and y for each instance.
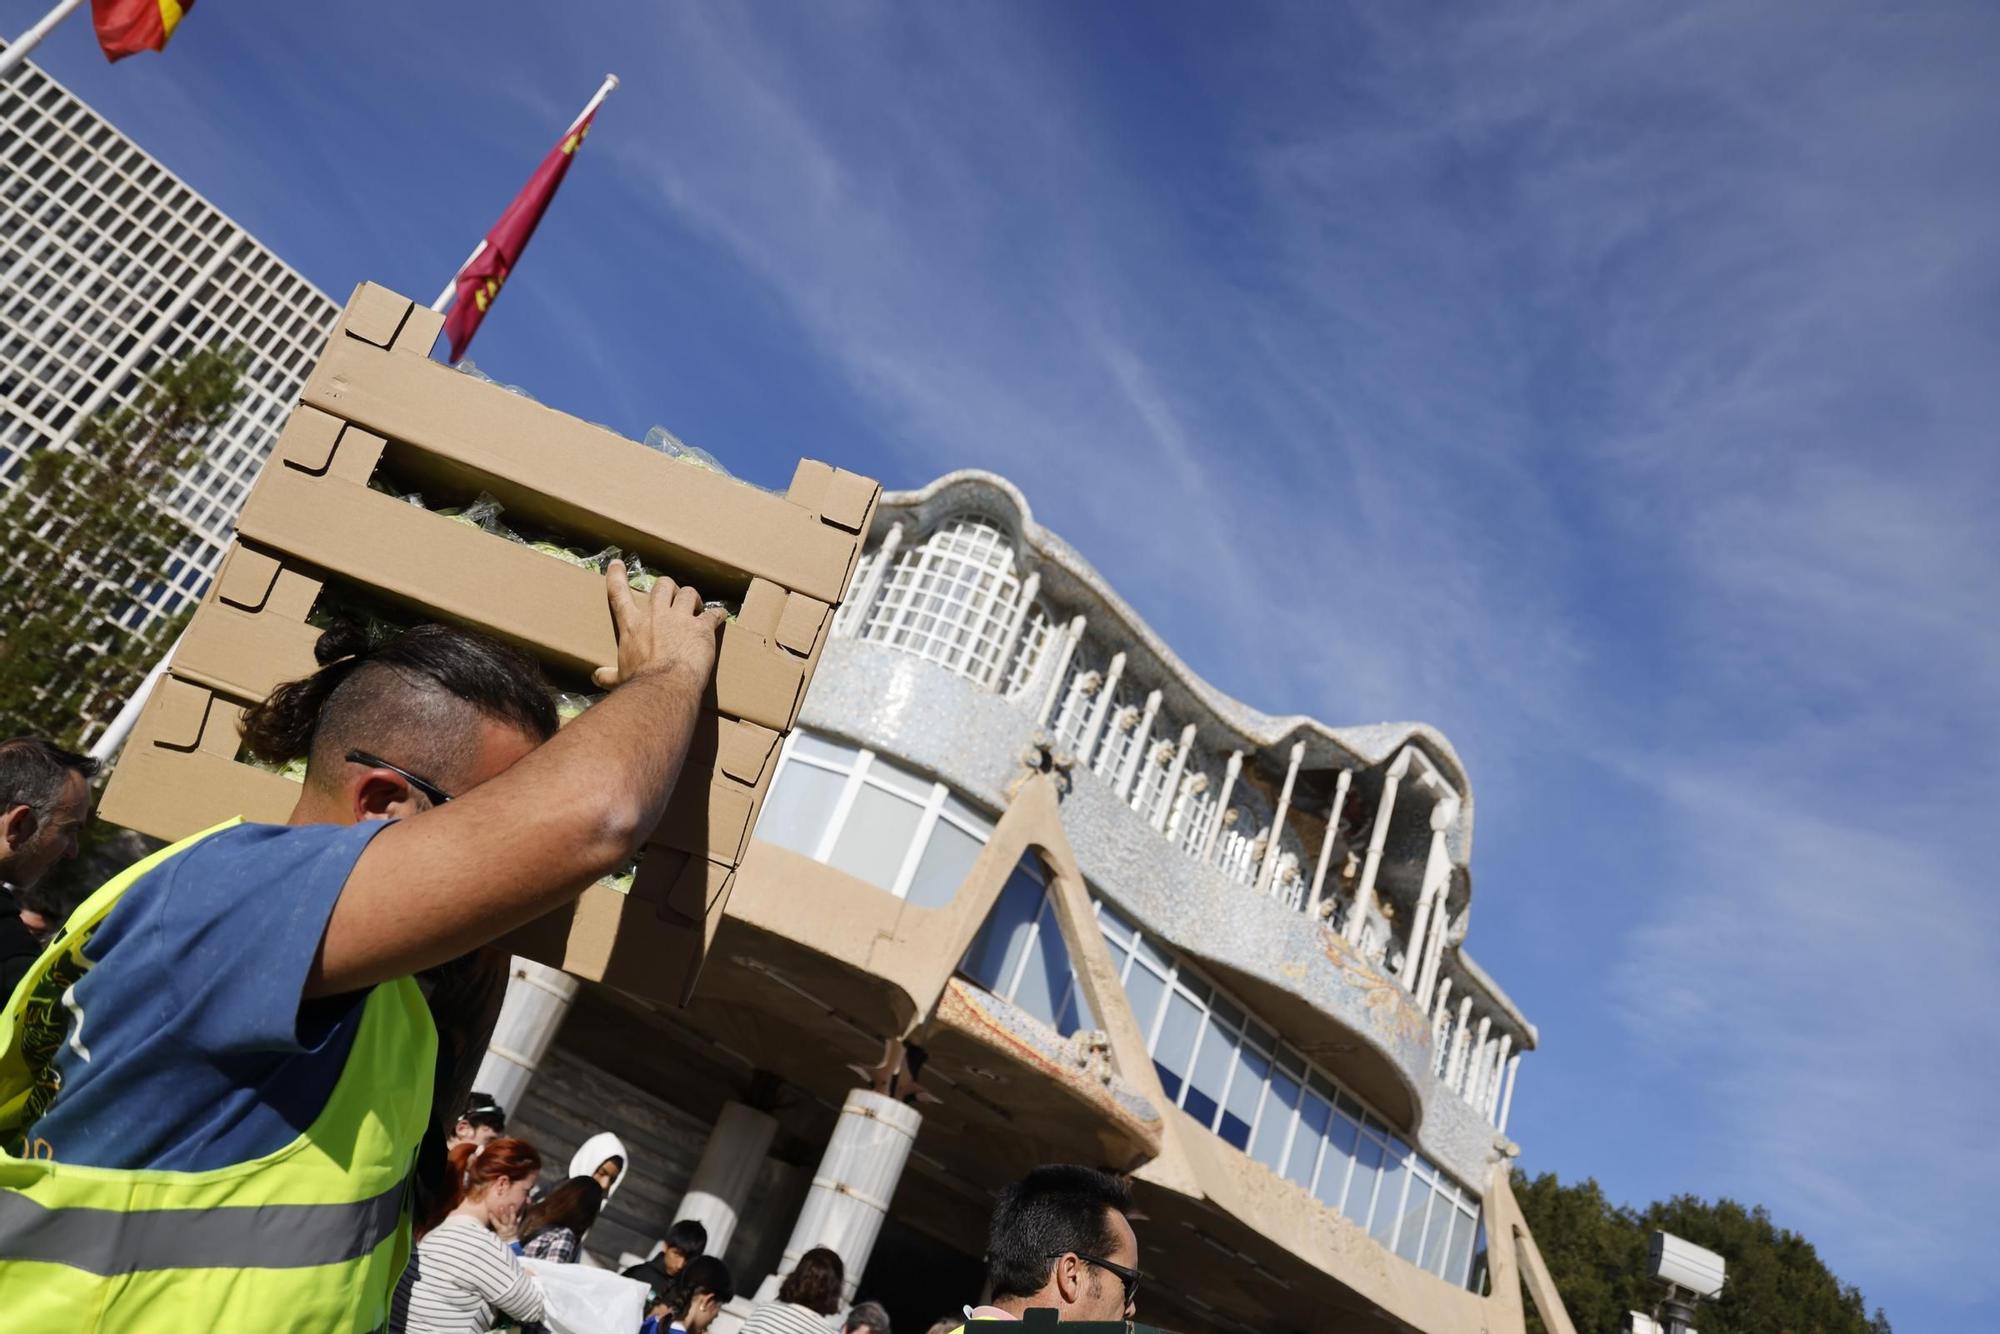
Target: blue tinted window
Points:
(997, 949)
(1313, 1115)
(1279, 1100)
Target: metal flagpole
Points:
(17, 50)
(604, 90)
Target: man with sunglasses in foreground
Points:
(1062, 1239)
(214, 1080)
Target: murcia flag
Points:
(479, 282)
(126, 27)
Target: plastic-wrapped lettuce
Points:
(570, 705)
(663, 441)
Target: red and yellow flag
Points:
(480, 280)
(126, 27)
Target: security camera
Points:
(1684, 1265)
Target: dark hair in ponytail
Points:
(280, 729)
(704, 1273)
(417, 697)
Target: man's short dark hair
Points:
(1051, 1211)
(688, 1237)
(34, 772)
(869, 1315)
(417, 699)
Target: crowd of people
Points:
(236, 1044)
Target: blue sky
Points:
(1611, 385)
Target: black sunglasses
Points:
(1128, 1279)
(437, 795)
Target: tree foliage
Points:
(1596, 1252)
(90, 533)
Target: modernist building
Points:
(110, 264)
(1118, 918)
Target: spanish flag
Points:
(126, 27)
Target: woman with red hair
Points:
(462, 1272)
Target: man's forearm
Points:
(518, 846)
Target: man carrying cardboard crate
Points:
(214, 1081)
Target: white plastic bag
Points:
(581, 1300)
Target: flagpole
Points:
(17, 50)
(604, 90)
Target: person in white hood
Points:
(603, 1158)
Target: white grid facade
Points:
(109, 265)
(952, 599)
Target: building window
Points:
(951, 599)
(857, 812)
(1232, 1074)
(1019, 954)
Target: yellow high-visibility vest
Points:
(311, 1237)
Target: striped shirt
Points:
(786, 1318)
(461, 1273)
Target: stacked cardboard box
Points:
(314, 529)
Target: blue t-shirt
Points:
(189, 1045)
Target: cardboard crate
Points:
(377, 401)
(376, 382)
(179, 774)
(307, 511)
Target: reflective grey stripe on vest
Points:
(264, 1236)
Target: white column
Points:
(1142, 738)
(1229, 776)
(1190, 785)
(850, 1193)
(720, 1189)
(1475, 1064)
(1270, 866)
(854, 614)
(1507, 1098)
(1489, 1101)
(1010, 643)
(1385, 810)
(537, 999)
(1171, 793)
(1340, 786)
(1440, 1025)
(1440, 933)
(1106, 693)
(1437, 869)
(1060, 663)
(1460, 1035)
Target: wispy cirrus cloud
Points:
(1606, 383)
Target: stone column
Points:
(1475, 1064)
(1461, 1043)
(851, 1192)
(1489, 1102)
(1440, 936)
(855, 611)
(537, 999)
(1106, 694)
(1507, 1098)
(1270, 866)
(1437, 873)
(1229, 776)
(1059, 662)
(722, 1181)
(1172, 791)
(1440, 1025)
(1142, 737)
(1332, 836)
(1385, 810)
